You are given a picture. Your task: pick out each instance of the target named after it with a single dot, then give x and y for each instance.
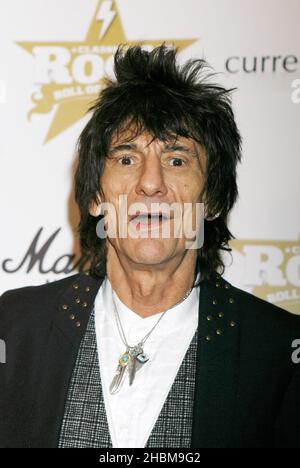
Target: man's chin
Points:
(152, 251)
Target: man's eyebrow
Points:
(180, 148)
(167, 148)
(123, 147)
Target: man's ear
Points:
(95, 207)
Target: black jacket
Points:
(247, 387)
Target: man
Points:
(151, 347)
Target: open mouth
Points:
(148, 219)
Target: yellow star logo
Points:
(71, 74)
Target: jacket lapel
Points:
(70, 321)
(217, 365)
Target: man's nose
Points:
(151, 180)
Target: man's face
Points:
(152, 171)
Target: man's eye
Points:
(125, 160)
(177, 162)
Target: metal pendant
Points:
(133, 359)
(142, 358)
(138, 358)
(118, 379)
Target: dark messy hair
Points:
(153, 93)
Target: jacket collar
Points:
(217, 364)
(70, 320)
(216, 372)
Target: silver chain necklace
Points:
(134, 357)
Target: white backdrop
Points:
(36, 170)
